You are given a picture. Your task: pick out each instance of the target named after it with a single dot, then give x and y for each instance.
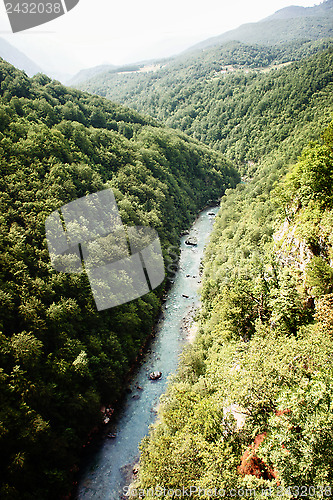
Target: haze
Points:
(108, 32)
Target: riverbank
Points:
(105, 472)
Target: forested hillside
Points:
(249, 412)
(250, 406)
(286, 25)
(60, 360)
(217, 98)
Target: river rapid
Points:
(109, 470)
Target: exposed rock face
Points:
(290, 250)
(295, 252)
(238, 413)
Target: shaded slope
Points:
(60, 359)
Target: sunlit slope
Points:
(250, 408)
(225, 101)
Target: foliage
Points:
(235, 98)
(264, 349)
(60, 359)
(264, 346)
(286, 25)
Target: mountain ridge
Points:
(290, 24)
(18, 59)
(297, 11)
(277, 28)
(225, 89)
(87, 73)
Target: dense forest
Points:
(60, 359)
(217, 98)
(250, 406)
(249, 411)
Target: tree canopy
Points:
(60, 359)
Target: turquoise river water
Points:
(109, 470)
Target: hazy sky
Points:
(105, 31)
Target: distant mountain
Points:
(146, 66)
(86, 74)
(291, 24)
(200, 92)
(18, 59)
(286, 25)
(290, 13)
(295, 11)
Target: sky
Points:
(113, 32)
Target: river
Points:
(108, 471)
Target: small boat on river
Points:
(192, 241)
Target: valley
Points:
(243, 120)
